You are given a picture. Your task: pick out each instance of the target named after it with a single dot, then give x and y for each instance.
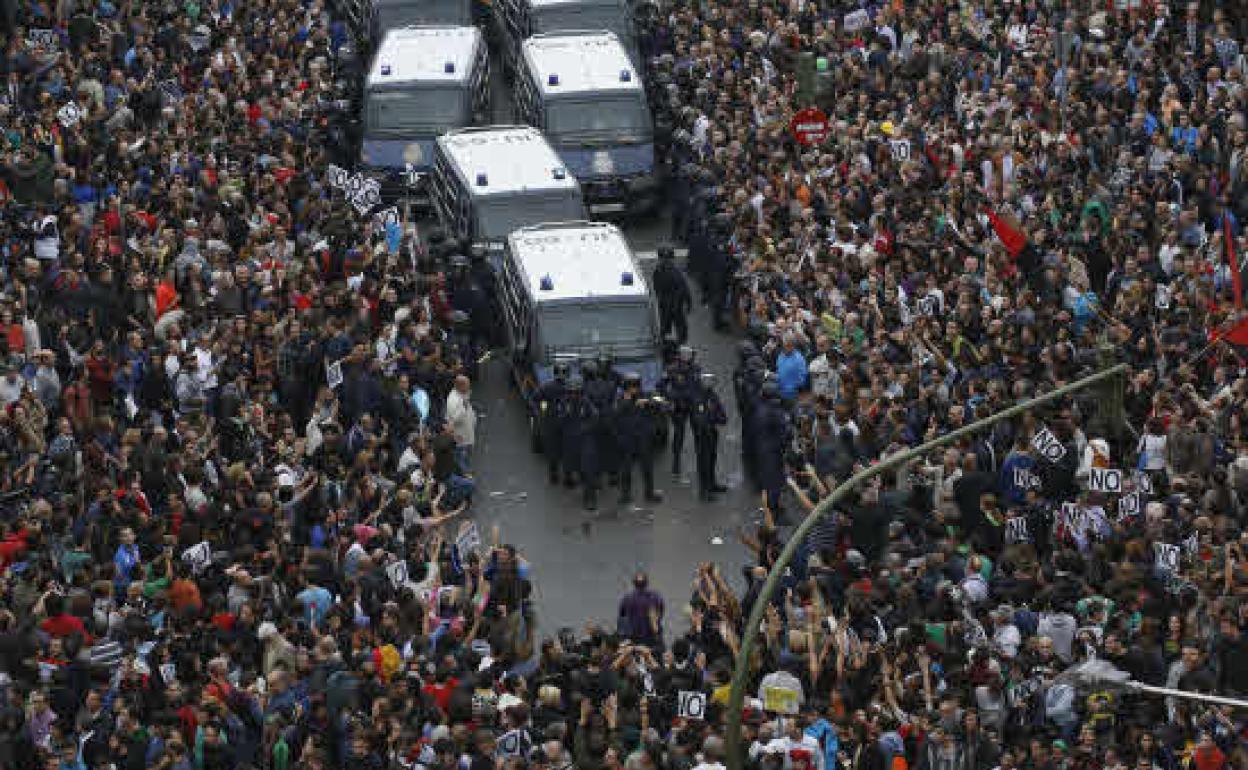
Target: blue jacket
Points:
(791, 373)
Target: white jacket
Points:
(463, 418)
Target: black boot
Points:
(591, 499)
(653, 497)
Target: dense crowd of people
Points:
(237, 426)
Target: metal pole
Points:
(750, 633)
(1186, 695)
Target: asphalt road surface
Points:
(584, 562)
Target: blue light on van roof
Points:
(625, 76)
(626, 279)
(547, 283)
(553, 80)
(449, 68)
(482, 179)
(385, 69)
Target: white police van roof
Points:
(496, 160)
(436, 53)
(576, 260)
(577, 62)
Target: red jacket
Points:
(64, 625)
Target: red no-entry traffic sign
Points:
(810, 126)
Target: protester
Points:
(238, 416)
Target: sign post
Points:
(810, 127)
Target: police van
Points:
(517, 20)
(583, 92)
(488, 182)
(571, 291)
(423, 82)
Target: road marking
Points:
(653, 256)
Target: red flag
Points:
(1238, 334)
(1011, 237)
(1232, 260)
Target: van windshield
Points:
(392, 14)
(623, 118)
(498, 219)
(565, 16)
(625, 329)
(427, 109)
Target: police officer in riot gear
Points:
(673, 295)
(747, 381)
(635, 421)
(578, 423)
(600, 390)
(719, 268)
(680, 388)
(463, 343)
(706, 417)
(547, 400)
(486, 318)
(770, 436)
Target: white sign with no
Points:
(691, 705)
(1108, 480)
(1047, 445)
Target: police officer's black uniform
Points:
(673, 294)
(747, 382)
(680, 388)
(634, 423)
(578, 422)
(546, 403)
(600, 389)
(770, 435)
(706, 417)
